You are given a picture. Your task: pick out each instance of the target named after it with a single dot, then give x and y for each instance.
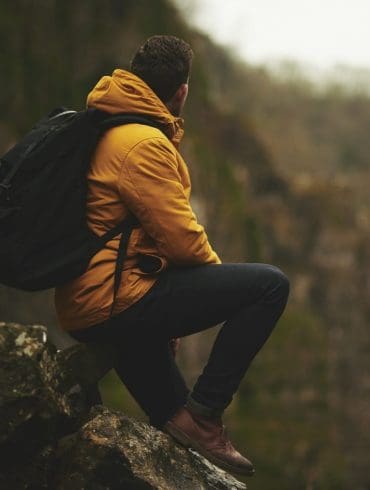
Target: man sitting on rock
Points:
(173, 283)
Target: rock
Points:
(114, 451)
(39, 382)
(52, 438)
(36, 386)
(40, 401)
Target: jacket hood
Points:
(125, 92)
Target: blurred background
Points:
(277, 142)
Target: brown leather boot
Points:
(208, 437)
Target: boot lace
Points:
(224, 438)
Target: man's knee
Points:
(283, 281)
(279, 282)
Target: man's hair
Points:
(164, 63)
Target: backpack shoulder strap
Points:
(125, 228)
(129, 222)
(128, 118)
(121, 255)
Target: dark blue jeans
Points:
(248, 298)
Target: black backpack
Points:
(44, 237)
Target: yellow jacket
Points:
(139, 168)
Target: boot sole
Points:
(185, 441)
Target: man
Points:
(173, 283)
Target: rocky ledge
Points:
(51, 437)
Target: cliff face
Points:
(51, 436)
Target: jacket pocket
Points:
(151, 264)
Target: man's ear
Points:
(177, 101)
(181, 93)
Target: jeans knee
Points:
(280, 282)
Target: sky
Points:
(322, 33)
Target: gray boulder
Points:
(114, 451)
(51, 437)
